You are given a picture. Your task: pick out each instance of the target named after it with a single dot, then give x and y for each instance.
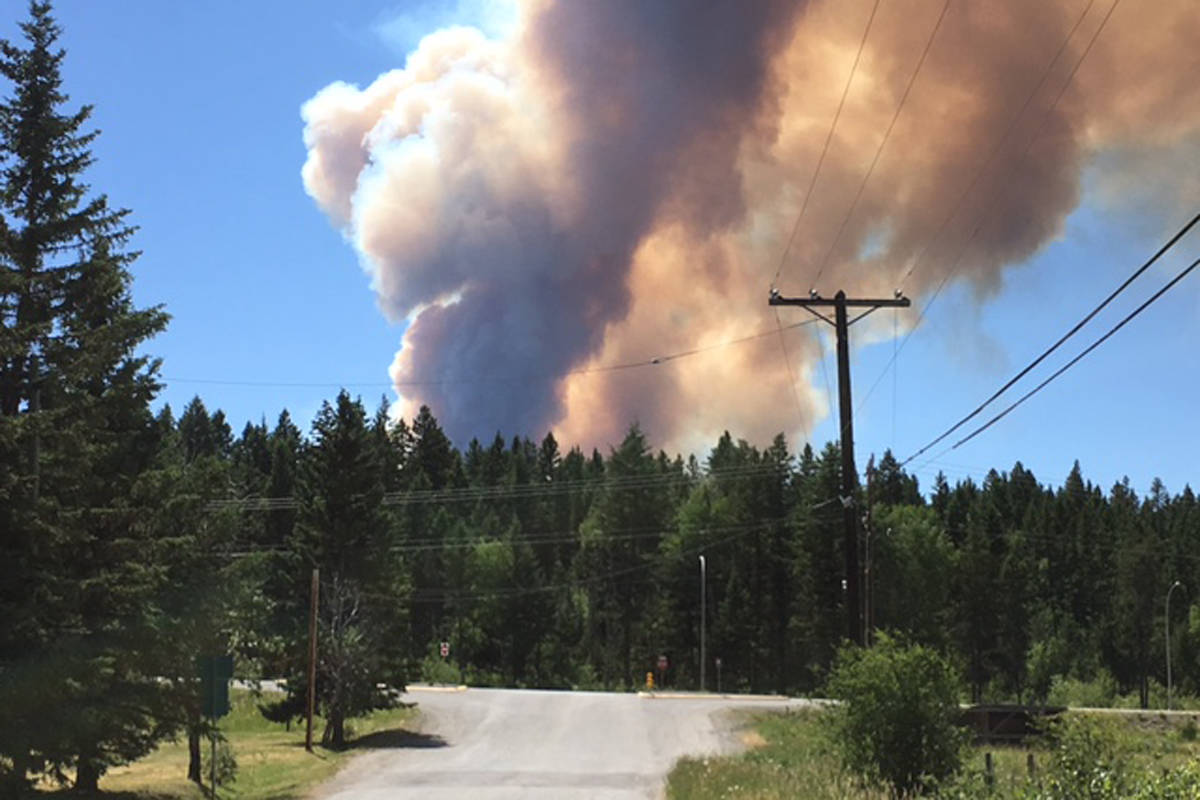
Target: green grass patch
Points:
(272, 761)
(789, 755)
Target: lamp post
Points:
(1167, 621)
(702, 616)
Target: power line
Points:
(958, 205)
(1077, 358)
(647, 362)
(441, 594)
(824, 371)
(886, 135)
(987, 209)
(825, 148)
(1062, 339)
(519, 491)
(787, 360)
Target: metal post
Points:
(702, 617)
(213, 762)
(1174, 586)
(312, 658)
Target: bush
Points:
(1099, 692)
(436, 670)
(897, 721)
(1087, 762)
(1181, 783)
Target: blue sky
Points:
(199, 105)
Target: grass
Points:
(787, 756)
(272, 762)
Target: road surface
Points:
(497, 744)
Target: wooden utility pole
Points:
(868, 578)
(841, 324)
(312, 657)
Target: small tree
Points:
(1088, 762)
(896, 723)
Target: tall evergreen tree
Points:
(345, 532)
(76, 434)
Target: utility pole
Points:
(842, 324)
(312, 657)
(703, 615)
(868, 578)
(1167, 620)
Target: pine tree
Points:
(76, 434)
(344, 530)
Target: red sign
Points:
(662, 663)
(445, 649)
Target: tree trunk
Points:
(195, 768)
(334, 735)
(87, 776)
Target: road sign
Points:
(662, 664)
(445, 649)
(214, 672)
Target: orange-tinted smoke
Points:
(618, 180)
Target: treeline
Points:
(133, 542)
(549, 568)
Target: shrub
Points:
(1099, 692)
(1087, 762)
(897, 720)
(1181, 783)
(438, 670)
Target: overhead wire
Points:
(517, 491)
(986, 211)
(958, 204)
(1079, 357)
(1062, 339)
(825, 148)
(787, 360)
(440, 594)
(882, 143)
(647, 362)
(443, 594)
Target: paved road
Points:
(496, 744)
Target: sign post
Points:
(215, 672)
(445, 649)
(310, 706)
(662, 669)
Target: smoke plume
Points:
(617, 181)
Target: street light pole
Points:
(702, 616)
(1167, 620)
